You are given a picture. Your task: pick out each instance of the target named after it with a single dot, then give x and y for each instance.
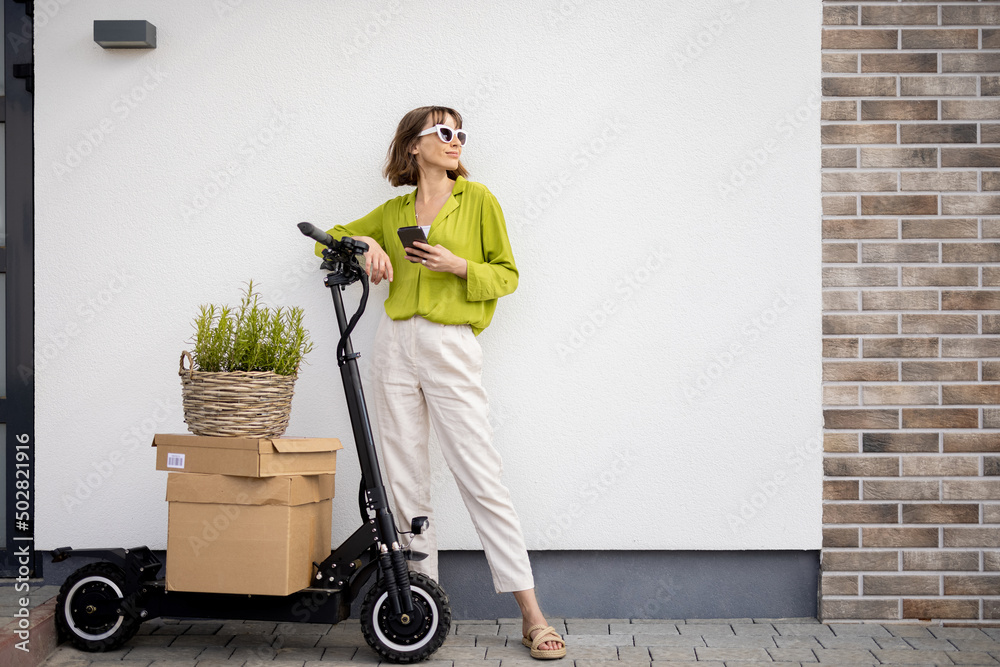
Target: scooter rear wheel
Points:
(78, 616)
(412, 639)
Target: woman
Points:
(427, 363)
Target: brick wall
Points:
(911, 301)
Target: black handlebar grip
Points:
(315, 234)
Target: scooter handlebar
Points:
(316, 234)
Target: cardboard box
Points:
(228, 534)
(247, 457)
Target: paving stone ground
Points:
(609, 642)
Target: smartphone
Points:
(410, 234)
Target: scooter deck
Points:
(310, 605)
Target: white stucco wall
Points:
(655, 380)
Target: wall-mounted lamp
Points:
(125, 34)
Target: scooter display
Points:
(405, 616)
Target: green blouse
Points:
(471, 225)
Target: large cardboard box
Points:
(228, 534)
(247, 457)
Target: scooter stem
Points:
(370, 474)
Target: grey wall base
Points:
(643, 584)
(621, 584)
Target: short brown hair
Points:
(401, 165)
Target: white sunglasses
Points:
(446, 134)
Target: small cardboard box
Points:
(247, 457)
(228, 534)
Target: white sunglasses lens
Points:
(444, 133)
(462, 136)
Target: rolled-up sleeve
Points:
(369, 225)
(497, 275)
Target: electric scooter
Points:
(405, 617)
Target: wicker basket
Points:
(254, 404)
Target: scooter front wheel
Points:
(90, 611)
(419, 634)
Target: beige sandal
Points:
(547, 634)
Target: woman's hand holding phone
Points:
(437, 258)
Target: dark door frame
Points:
(17, 256)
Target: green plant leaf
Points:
(251, 337)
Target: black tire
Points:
(84, 629)
(419, 638)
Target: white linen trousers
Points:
(429, 374)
